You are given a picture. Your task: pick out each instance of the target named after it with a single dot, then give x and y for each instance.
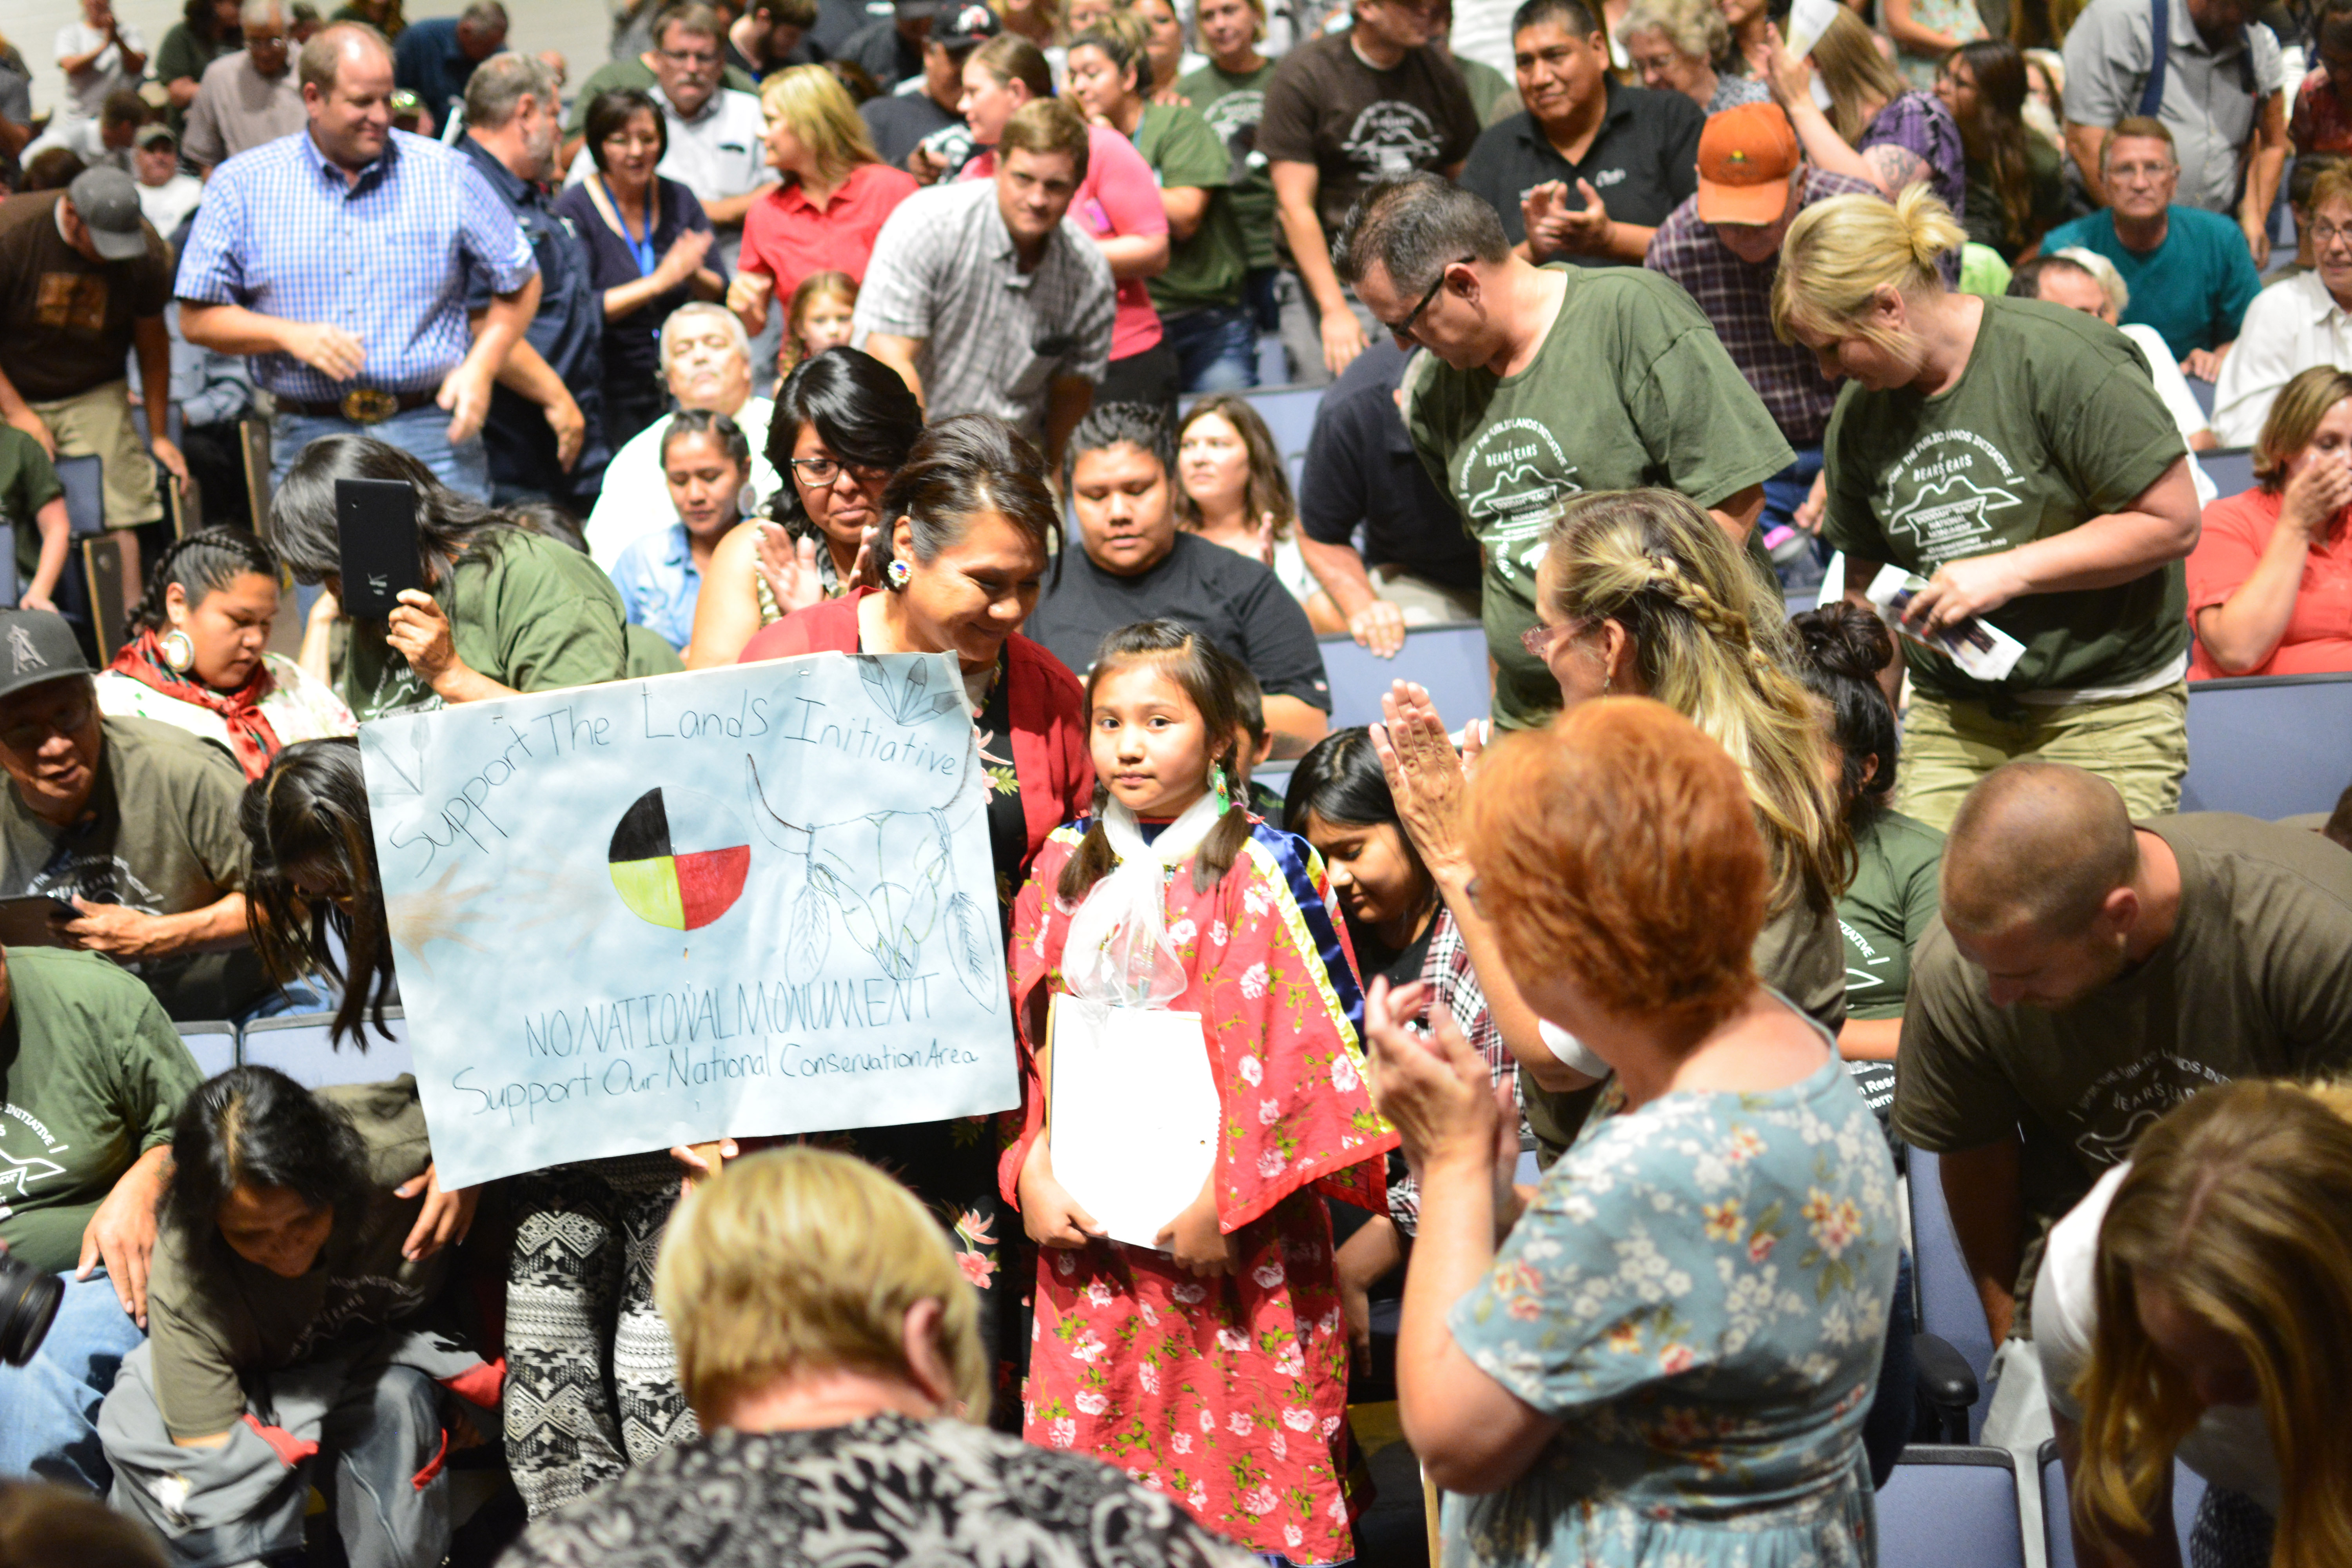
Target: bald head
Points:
(2037, 844)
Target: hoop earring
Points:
(178, 651)
(897, 576)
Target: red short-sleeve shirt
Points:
(2318, 637)
(786, 237)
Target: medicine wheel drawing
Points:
(679, 858)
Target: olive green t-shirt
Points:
(212, 1316)
(159, 835)
(2253, 982)
(2054, 421)
(1232, 106)
(28, 481)
(91, 1074)
(1898, 864)
(1631, 388)
(1205, 269)
(524, 610)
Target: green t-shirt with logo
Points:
(91, 1074)
(1232, 106)
(2054, 421)
(1205, 269)
(523, 610)
(1631, 388)
(1899, 865)
(28, 481)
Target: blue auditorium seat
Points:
(1951, 1507)
(2268, 746)
(1949, 1308)
(2188, 1491)
(213, 1044)
(1450, 660)
(2231, 469)
(297, 1045)
(83, 481)
(1289, 415)
(2203, 391)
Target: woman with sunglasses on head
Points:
(842, 426)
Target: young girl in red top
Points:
(1214, 1367)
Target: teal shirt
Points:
(2193, 289)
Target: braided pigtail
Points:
(1709, 642)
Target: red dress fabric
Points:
(2318, 124)
(2318, 637)
(1120, 196)
(1227, 1394)
(788, 237)
(1047, 704)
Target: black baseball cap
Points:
(963, 25)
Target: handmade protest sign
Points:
(739, 901)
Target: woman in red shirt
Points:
(836, 193)
(970, 518)
(2269, 584)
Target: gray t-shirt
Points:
(2207, 103)
(237, 107)
(994, 338)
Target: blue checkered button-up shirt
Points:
(384, 257)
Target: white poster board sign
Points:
(1134, 1111)
(732, 902)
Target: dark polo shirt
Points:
(1643, 162)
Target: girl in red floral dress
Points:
(1214, 1367)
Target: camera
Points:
(28, 1305)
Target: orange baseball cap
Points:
(1746, 156)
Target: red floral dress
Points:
(1228, 1393)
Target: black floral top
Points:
(883, 1490)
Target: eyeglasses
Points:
(823, 471)
(1403, 329)
(1538, 640)
(32, 734)
(2328, 234)
(692, 60)
(2132, 174)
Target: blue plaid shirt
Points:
(384, 257)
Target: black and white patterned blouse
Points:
(887, 1489)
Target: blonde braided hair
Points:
(1711, 641)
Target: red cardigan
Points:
(1047, 702)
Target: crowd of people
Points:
(804, 327)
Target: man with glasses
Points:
(1375, 101)
(644, 70)
(1543, 382)
(2296, 323)
(2209, 75)
(132, 824)
(2188, 269)
(248, 97)
(707, 362)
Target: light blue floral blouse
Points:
(1699, 1293)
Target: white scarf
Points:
(1118, 951)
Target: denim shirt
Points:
(659, 583)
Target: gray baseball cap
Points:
(108, 201)
(37, 646)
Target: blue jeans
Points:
(1216, 349)
(51, 1429)
(1784, 492)
(423, 432)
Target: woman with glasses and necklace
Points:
(844, 423)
